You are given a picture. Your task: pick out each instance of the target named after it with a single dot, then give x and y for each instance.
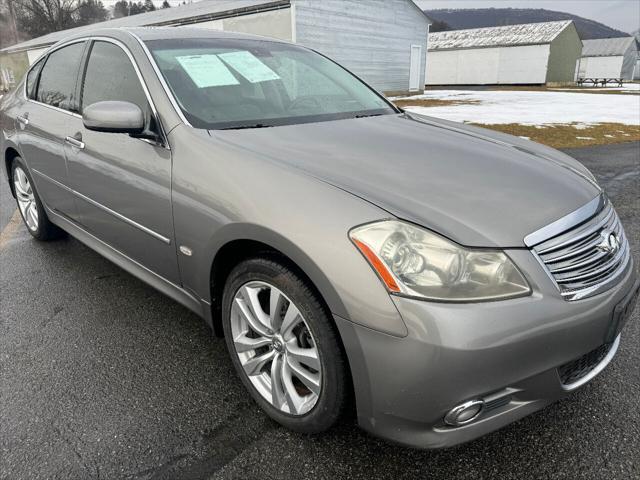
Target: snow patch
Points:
(531, 107)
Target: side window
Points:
(58, 78)
(111, 76)
(32, 76)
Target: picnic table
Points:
(600, 82)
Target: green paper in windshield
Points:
(207, 71)
(249, 66)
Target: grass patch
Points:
(434, 102)
(568, 136)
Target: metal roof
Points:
(606, 47)
(201, 11)
(511, 35)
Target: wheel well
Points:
(230, 255)
(236, 251)
(9, 155)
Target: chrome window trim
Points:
(44, 57)
(567, 222)
(125, 49)
(596, 370)
(165, 87)
(147, 94)
(61, 110)
(119, 216)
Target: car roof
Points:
(162, 33)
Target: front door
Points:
(122, 184)
(414, 71)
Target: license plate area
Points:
(622, 312)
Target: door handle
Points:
(23, 120)
(74, 142)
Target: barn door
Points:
(581, 68)
(414, 71)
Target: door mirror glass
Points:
(114, 117)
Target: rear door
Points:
(123, 183)
(43, 122)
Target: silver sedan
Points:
(446, 279)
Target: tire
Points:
(29, 204)
(262, 279)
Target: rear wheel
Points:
(284, 345)
(30, 205)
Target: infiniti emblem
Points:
(277, 345)
(610, 243)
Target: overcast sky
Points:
(621, 14)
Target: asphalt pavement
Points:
(103, 377)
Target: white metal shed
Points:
(535, 53)
(617, 58)
(382, 41)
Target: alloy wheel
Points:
(276, 348)
(26, 199)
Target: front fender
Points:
(341, 275)
(221, 193)
(258, 233)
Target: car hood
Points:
(476, 187)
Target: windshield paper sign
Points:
(249, 66)
(207, 71)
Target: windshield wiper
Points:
(242, 127)
(364, 115)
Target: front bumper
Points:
(506, 353)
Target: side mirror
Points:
(114, 117)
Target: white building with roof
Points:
(609, 58)
(382, 41)
(535, 53)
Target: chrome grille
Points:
(588, 258)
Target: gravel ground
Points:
(103, 377)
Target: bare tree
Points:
(8, 25)
(39, 17)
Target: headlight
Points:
(416, 262)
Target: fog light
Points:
(464, 413)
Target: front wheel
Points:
(284, 345)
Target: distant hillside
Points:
(458, 19)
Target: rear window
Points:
(32, 78)
(58, 78)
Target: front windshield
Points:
(229, 83)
